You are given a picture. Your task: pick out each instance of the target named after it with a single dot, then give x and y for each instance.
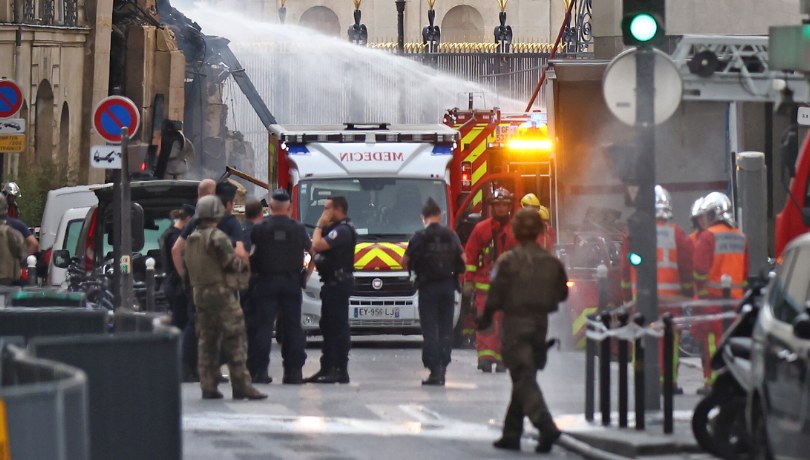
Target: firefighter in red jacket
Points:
(673, 268)
(721, 251)
(548, 238)
(489, 239)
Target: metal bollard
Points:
(150, 284)
(669, 352)
(31, 262)
(602, 286)
(604, 372)
(623, 382)
(638, 374)
(725, 282)
(590, 378)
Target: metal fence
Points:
(46, 404)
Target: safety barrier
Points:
(133, 386)
(43, 407)
(31, 322)
(619, 326)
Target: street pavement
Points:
(386, 413)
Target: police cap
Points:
(226, 191)
(280, 195)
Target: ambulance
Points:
(386, 172)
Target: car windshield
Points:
(377, 206)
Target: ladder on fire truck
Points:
(734, 68)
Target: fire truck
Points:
(386, 172)
(517, 152)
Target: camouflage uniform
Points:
(216, 274)
(527, 285)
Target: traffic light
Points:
(636, 224)
(643, 22)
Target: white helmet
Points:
(717, 207)
(663, 203)
(12, 189)
(696, 208)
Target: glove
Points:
(483, 322)
(469, 289)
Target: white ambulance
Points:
(386, 172)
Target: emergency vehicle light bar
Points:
(358, 137)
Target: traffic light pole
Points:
(647, 282)
(127, 298)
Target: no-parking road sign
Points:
(11, 98)
(114, 113)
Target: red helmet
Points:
(501, 195)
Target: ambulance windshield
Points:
(377, 206)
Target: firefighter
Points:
(528, 284)
(12, 193)
(721, 251)
(547, 238)
(489, 239)
(673, 269)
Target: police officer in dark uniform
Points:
(436, 256)
(277, 257)
(333, 242)
(528, 284)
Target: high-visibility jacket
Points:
(488, 240)
(673, 262)
(721, 250)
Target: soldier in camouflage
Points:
(528, 283)
(216, 275)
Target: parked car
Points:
(67, 238)
(57, 202)
(779, 403)
(154, 199)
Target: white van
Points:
(57, 202)
(67, 236)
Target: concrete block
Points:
(175, 104)
(166, 40)
(140, 64)
(216, 114)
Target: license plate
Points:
(376, 312)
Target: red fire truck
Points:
(516, 152)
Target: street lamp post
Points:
(400, 26)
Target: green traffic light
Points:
(643, 27)
(635, 259)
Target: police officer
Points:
(528, 284)
(333, 242)
(11, 248)
(277, 257)
(436, 256)
(216, 274)
(172, 284)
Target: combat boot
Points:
(547, 439)
(342, 375)
(436, 377)
(485, 364)
(323, 376)
(262, 377)
(249, 392)
(292, 377)
(507, 443)
(211, 394)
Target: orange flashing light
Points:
(570, 284)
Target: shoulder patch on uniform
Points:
(333, 234)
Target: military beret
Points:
(280, 195)
(226, 191)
